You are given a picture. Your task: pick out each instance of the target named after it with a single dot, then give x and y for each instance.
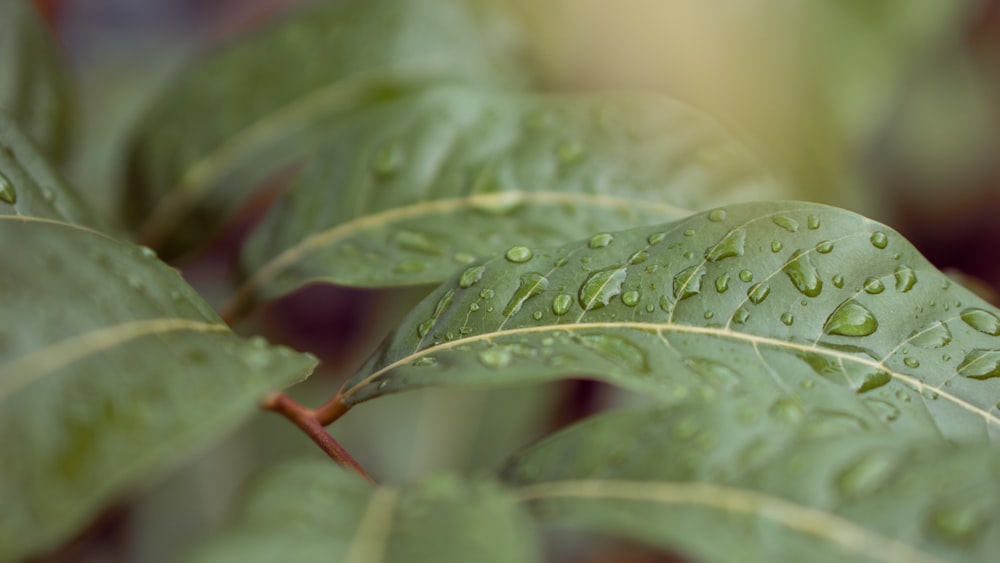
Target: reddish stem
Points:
(308, 422)
(331, 410)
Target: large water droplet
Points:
(722, 283)
(982, 320)
(813, 222)
(851, 319)
(519, 254)
(981, 364)
(532, 284)
(601, 240)
(879, 240)
(497, 357)
(601, 286)
(688, 282)
(906, 278)
(867, 475)
(630, 298)
(785, 222)
(874, 380)
(618, 350)
(758, 293)
(417, 242)
(561, 304)
(934, 335)
(746, 275)
(7, 192)
(740, 316)
(824, 247)
(803, 273)
(787, 319)
(471, 276)
(639, 257)
(733, 244)
(776, 246)
(443, 303)
(717, 215)
(656, 238)
(874, 286)
(838, 280)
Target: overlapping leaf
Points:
(413, 190)
(111, 367)
(314, 511)
(741, 480)
(33, 83)
(789, 297)
(255, 106)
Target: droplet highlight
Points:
(803, 274)
(600, 287)
(851, 319)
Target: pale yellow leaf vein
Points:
(57, 223)
(805, 520)
(372, 535)
(36, 364)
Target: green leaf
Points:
(34, 85)
(111, 370)
(30, 187)
(408, 192)
(735, 480)
(315, 511)
(262, 103)
(819, 304)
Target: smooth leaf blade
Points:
(34, 85)
(408, 192)
(338, 517)
(737, 479)
(111, 370)
(778, 296)
(262, 103)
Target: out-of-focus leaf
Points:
(257, 105)
(316, 511)
(111, 369)
(30, 187)
(34, 86)
(735, 480)
(763, 296)
(407, 193)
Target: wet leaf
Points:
(705, 312)
(735, 480)
(255, 106)
(338, 517)
(112, 369)
(410, 192)
(34, 85)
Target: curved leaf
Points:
(409, 192)
(259, 104)
(30, 187)
(111, 369)
(338, 517)
(737, 480)
(778, 296)
(34, 84)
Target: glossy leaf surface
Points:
(315, 511)
(111, 370)
(259, 104)
(410, 192)
(34, 84)
(794, 298)
(740, 480)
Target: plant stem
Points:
(331, 410)
(309, 423)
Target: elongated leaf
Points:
(34, 85)
(30, 187)
(261, 103)
(315, 511)
(409, 192)
(736, 480)
(111, 369)
(776, 296)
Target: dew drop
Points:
(519, 254)
(824, 247)
(758, 293)
(474, 307)
(600, 287)
(688, 282)
(8, 194)
(495, 357)
(717, 215)
(802, 272)
(639, 257)
(443, 303)
(981, 364)
(537, 315)
(601, 240)
(531, 284)
(813, 222)
(982, 320)
(733, 244)
(650, 308)
(787, 319)
(874, 286)
(656, 238)
(851, 319)
(746, 275)
(776, 246)
(561, 304)
(425, 361)
(740, 316)
(934, 335)
(487, 293)
(879, 240)
(838, 281)
(722, 283)
(874, 380)
(630, 298)
(785, 222)
(787, 410)
(689, 233)
(906, 278)
(471, 276)
(911, 362)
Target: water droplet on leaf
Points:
(618, 350)
(758, 293)
(813, 222)
(906, 278)
(746, 275)
(717, 215)
(7, 192)
(495, 357)
(519, 254)
(851, 319)
(981, 364)
(630, 298)
(601, 240)
(531, 284)
(600, 287)
(982, 320)
(722, 283)
(733, 244)
(471, 276)
(687, 283)
(874, 286)
(879, 240)
(802, 272)
(824, 247)
(785, 222)
(787, 319)
(934, 335)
